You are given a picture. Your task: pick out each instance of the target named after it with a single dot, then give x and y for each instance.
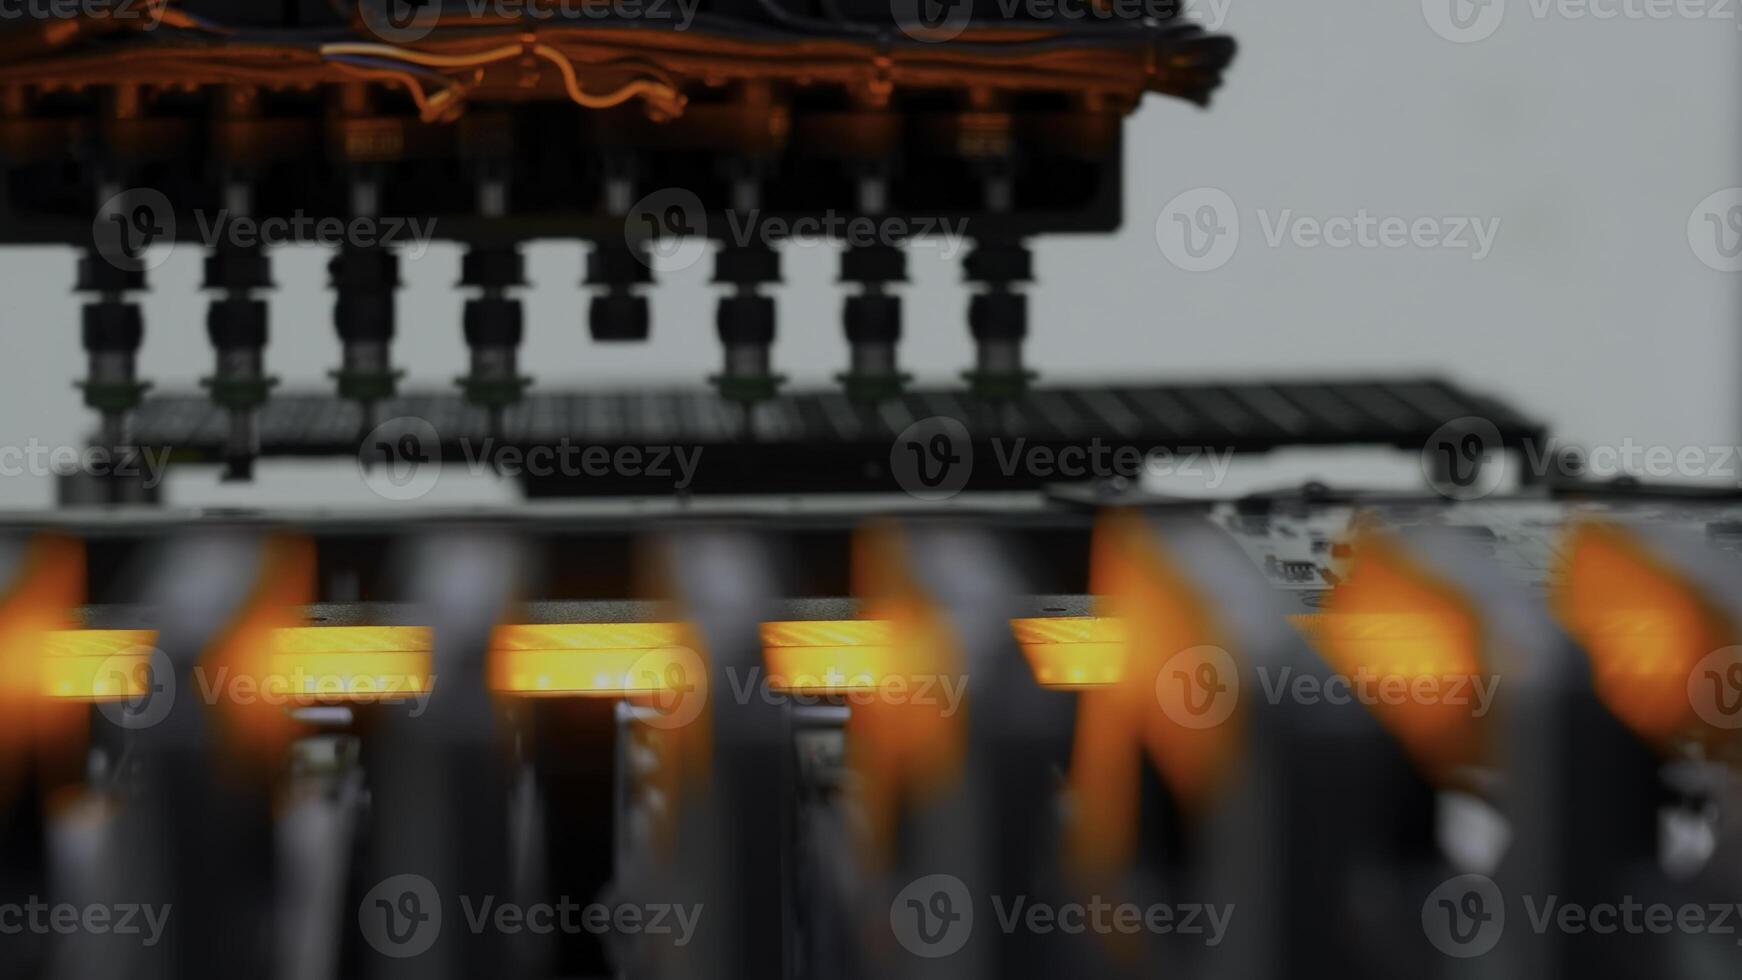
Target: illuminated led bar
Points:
(336, 663)
(1073, 652)
(349, 663)
(352, 663)
(591, 659)
(96, 665)
(360, 663)
(827, 656)
(1083, 652)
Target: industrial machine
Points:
(900, 726)
(633, 126)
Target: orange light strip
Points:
(1650, 632)
(96, 665)
(591, 659)
(349, 663)
(324, 663)
(363, 663)
(828, 656)
(1073, 652)
(352, 663)
(1084, 652)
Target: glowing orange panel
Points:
(1073, 652)
(96, 665)
(591, 659)
(1392, 619)
(827, 656)
(323, 663)
(348, 663)
(361, 663)
(1646, 628)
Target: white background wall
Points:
(1591, 140)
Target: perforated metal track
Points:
(819, 441)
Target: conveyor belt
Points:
(819, 441)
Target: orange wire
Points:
(426, 108)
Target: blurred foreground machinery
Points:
(1494, 739)
(641, 127)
